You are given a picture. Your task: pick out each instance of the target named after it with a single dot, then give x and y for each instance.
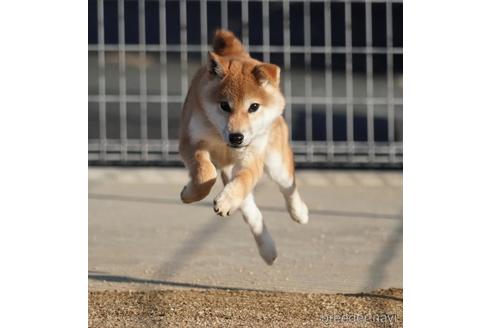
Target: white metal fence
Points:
(341, 74)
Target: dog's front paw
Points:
(184, 196)
(225, 205)
(195, 192)
(187, 195)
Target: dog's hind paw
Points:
(299, 212)
(268, 251)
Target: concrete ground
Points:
(142, 237)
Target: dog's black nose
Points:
(236, 138)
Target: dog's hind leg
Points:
(253, 217)
(280, 167)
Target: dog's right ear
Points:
(216, 65)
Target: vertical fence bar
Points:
(287, 66)
(308, 81)
(203, 30)
(328, 85)
(245, 23)
(369, 83)
(390, 81)
(183, 48)
(266, 31)
(101, 80)
(143, 79)
(142, 48)
(349, 79)
(163, 77)
(224, 20)
(122, 79)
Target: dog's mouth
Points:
(237, 146)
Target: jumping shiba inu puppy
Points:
(232, 121)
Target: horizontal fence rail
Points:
(342, 69)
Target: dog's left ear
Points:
(267, 73)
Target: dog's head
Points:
(242, 98)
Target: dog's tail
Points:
(225, 43)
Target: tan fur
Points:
(233, 77)
(225, 43)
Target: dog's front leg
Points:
(202, 175)
(244, 178)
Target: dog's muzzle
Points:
(236, 139)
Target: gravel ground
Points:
(198, 308)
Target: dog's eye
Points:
(224, 105)
(253, 108)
